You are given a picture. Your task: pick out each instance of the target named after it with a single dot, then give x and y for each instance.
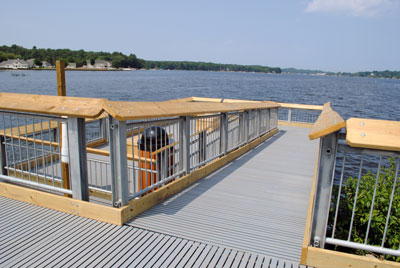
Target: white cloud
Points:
(367, 8)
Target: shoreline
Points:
(121, 70)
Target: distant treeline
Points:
(77, 56)
(377, 74)
(208, 66)
(374, 74)
(119, 60)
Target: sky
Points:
(329, 35)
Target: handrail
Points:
(373, 134)
(301, 106)
(145, 110)
(328, 122)
(52, 105)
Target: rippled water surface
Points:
(351, 97)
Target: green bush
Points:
(362, 212)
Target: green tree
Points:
(37, 62)
(383, 195)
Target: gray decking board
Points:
(257, 203)
(48, 238)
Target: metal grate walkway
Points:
(32, 236)
(258, 203)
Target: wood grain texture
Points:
(307, 229)
(61, 203)
(323, 258)
(296, 124)
(373, 134)
(301, 106)
(143, 110)
(31, 128)
(328, 122)
(283, 105)
(52, 105)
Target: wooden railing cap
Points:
(328, 122)
(142, 110)
(373, 134)
(52, 105)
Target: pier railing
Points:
(119, 151)
(298, 114)
(355, 197)
(174, 140)
(43, 141)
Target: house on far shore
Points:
(46, 64)
(15, 64)
(71, 65)
(31, 62)
(98, 64)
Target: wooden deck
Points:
(258, 203)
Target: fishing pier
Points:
(193, 182)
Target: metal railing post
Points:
(184, 146)
(259, 120)
(103, 128)
(246, 125)
(119, 162)
(202, 145)
(224, 133)
(3, 156)
(268, 120)
(326, 169)
(78, 158)
(290, 115)
(275, 118)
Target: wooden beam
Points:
(61, 203)
(52, 105)
(138, 206)
(307, 229)
(143, 110)
(31, 128)
(62, 91)
(328, 122)
(373, 134)
(295, 124)
(96, 143)
(323, 258)
(61, 85)
(301, 106)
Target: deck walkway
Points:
(250, 213)
(258, 203)
(38, 237)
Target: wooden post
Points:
(62, 91)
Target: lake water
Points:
(351, 97)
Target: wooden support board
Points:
(143, 110)
(307, 229)
(323, 258)
(301, 106)
(52, 105)
(32, 128)
(328, 122)
(62, 203)
(137, 206)
(283, 105)
(373, 134)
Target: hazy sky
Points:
(332, 35)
